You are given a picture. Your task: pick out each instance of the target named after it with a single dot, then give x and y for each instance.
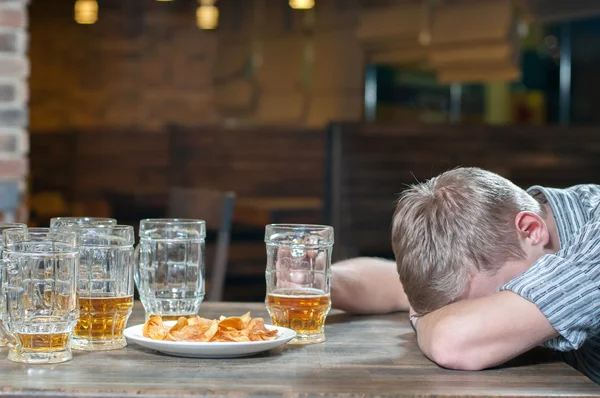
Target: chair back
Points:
(216, 209)
(9, 200)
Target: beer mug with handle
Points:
(105, 286)
(298, 278)
(169, 271)
(39, 286)
(8, 225)
(4, 226)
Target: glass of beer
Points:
(105, 286)
(169, 270)
(62, 222)
(298, 277)
(39, 286)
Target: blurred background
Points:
(248, 112)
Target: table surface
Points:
(363, 355)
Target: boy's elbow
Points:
(450, 358)
(450, 349)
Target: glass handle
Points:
(136, 265)
(6, 336)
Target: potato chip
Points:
(154, 328)
(197, 329)
(197, 332)
(200, 321)
(234, 322)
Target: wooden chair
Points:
(9, 198)
(216, 208)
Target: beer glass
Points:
(61, 222)
(4, 226)
(39, 286)
(298, 277)
(169, 271)
(105, 286)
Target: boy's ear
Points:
(532, 227)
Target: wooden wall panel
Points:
(52, 161)
(265, 162)
(377, 163)
(126, 162)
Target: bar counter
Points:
(363, 355)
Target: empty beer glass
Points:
(4, 226)
(298, 277)
(105, 286)
(39, 286)
(169, 270)
(61, 222)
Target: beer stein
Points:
(4, 226)
(105, 286)
(298, 278)
(39, 289)
(169, 271)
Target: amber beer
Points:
(44, 342)
(303, 310)
(102, 318)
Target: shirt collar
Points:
(568, 212)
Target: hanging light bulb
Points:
(302, 4)
(207, 15)
(86, 11)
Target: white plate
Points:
(209, 350)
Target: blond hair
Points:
(452, 225)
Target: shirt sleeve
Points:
(589, 197)
(565, 286)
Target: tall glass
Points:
(169, 270)
(61, 222)
(4, 226)
(105, 286)
(298, 277)
(39, 285)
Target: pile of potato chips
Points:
(197, 329)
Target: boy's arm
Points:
(367, 285)
(481, 333)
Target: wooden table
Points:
(371, 355)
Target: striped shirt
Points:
(565, 285)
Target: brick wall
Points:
(300, 68)
(143, 64)
(14, 70)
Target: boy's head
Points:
(461, 228)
